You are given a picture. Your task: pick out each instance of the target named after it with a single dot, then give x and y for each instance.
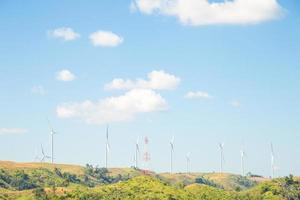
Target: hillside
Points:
(35, 165)
(226, 181)
(40, 180)
(74, 169)
(147, 187)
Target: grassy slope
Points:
(227, 181)
(143, 187)
(13, 166)
(165, 186)
(73, 169)
(138, 188)
(148, 187)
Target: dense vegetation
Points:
(99, 183)
(43, 177)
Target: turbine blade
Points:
(107, 147)
(42, 150)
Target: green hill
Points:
(219, 180)
(63, 175)
(30, 181)
(148, 187)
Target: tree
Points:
(40, 193)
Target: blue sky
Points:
(249, 69)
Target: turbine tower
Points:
(243, 154)
(221, 146)
(272, 162)
(52, 133)
(171, 154)
(188, 162)
(107, 148)
(137, 151)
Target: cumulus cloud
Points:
(157, 80)
(114, 109)
(204, 12)
(105, 39)
(197, 94)
(65, 75)
(64, 33)
(38, 89)
(235, 103)
(4, 131)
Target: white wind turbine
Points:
(272, 162)
(171, 154)
(243, 155)
(137, 152)
(221, 146)
(52, 133)
(107, 148)
(188, 162)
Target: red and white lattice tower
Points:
(146, 156)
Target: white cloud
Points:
(114, 109)
(235, 103)
(65, 33)
(65, 75)
(157, 80)
(203, 12)
(4, 131)
(105, 39)
(198, 94)
(38, 89)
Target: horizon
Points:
(204, 77)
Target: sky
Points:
(203, 72)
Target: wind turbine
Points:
(44, 156)
(221, 146)
(52, 133)
(243, 154)
(137, 151)
(171, 154)
(188, 162)
(107, 147)
(272, 162)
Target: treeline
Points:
(42, 177)
(98, 176)
(97, 183)
(19, 180)
(146, 187)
